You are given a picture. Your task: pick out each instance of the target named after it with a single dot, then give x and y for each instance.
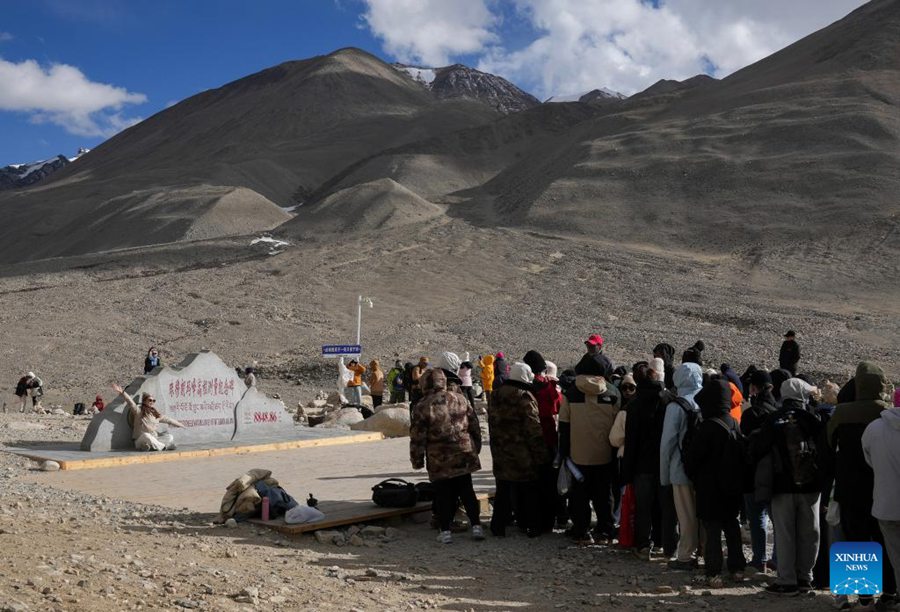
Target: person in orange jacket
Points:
(486, 364)
(354, 385)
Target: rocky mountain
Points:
(458, 81)
(594, 96)
(23, 175)
(796, 156)
(263, 142)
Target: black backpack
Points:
(693, 424)
(394, 493)
(801, 457)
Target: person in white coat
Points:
(881, 447)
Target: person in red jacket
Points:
(546, 392)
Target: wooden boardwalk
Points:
(341, 477)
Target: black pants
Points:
(520, 498)
(712, 552)
(648, 512)
(447, 495)
(858, 525)
(377, 400)
(552, 505)
(594, 491)
(467, 391)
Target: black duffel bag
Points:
(394, 493)
(425, 491)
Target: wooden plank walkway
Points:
(341, 513)
(71, 457)
(337, 474)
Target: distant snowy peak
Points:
(595, 95)
(418, 73)
(23, 175)
(458, 81)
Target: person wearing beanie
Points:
(445, 437)
(594, 352)
(789, 451)
(666, 352)
(501, 368)
(762, 406)
(694, 353)
(789, 355)
(486, 364)
(518, 451)
(715, 459)
(586, 416)
(688, 379)
(854, 479)
(729, 373)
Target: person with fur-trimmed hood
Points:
(518, 451)
(586, 417)
(445, 437)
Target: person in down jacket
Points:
(486, 364)
(586, 417)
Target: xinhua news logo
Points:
(856, 568)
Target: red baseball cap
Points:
(595, 340)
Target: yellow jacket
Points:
(487, 372)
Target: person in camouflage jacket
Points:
(445, 436)
(518, 450)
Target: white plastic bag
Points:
(564, 480)
(302, 513)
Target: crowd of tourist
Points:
(669, 459)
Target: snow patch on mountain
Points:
(601, 93)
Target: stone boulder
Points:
(342, 419)
(392, 422)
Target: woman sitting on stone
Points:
(144, 420)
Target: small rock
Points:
(355, 540)
(328, 537)
(231, 523)
(392, 533)
(372, 531)
(50, 466)
(187, 603)
(371, 572)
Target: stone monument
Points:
(206, 396)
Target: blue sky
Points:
(73, 72)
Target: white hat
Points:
(521, 372)
(30, 375)
(449, 361)
(551, 370)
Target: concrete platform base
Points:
(71, 457)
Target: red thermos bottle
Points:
(265, 508)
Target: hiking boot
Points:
(888, 601)
(715, 582)
(682, 566)
(782, 589)
(582, 539)
(477, 532)
(445, 537)
(644, 554)
(804, 586)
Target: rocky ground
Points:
(71, 551)
(84, 323)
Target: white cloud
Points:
(63, 95)
(430, 31)
(625, 45)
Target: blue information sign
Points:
(341, 350)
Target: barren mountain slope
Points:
(802, 148)
(280, 132)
